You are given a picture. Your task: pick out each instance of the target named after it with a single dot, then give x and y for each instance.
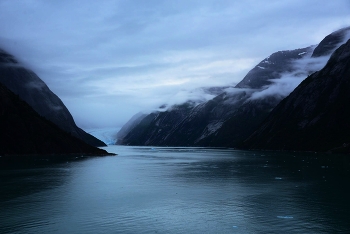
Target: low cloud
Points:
(36, 85)
(279, 87)
(283, 86)
(195, 96)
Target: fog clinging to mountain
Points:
(108, 60)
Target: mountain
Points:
(133, 122)
(25, 132)
(315, 116)
(35, 92)
(331, 42)
(225, 120)
(232, 116)
(141, 124)
(273, 67)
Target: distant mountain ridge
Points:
(206, 124)
(232, 116)
(272, 67)
(315, 116)
(35, 92)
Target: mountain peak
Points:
(332, 42)
(314, 117)
(272, 67)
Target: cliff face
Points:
(315, 116)
(24, 131)
(35, 92)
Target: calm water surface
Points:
(178, 190)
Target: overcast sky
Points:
(109, 59)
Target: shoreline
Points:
(9, 160)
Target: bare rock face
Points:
(28, 86)
(315, 116)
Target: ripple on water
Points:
(176, 190)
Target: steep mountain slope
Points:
(24, 131)
(142, 128)
(315, 116)
(207, 124)
(133, 122)
(331, 42)
(232, 116)
(35, 92)
(272, 67)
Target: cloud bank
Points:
(284, 85)
(109, 59)
(302, 68)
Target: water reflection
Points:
(300, 190)
(25, 181)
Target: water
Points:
(178, 190)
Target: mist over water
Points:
(178, 190)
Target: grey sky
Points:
(109, 59)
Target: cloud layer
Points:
(109, 59)
(285, 84)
